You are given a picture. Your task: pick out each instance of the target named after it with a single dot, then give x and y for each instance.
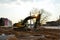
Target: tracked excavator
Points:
(22, 26)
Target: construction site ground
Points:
(40, 34)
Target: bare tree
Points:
(44, 15)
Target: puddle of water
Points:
(52, 27)
(4, 37)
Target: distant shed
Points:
(5, 22)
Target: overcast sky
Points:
(19, 9)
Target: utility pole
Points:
(59, 16)
(30, 19)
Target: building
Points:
(52, 23)
(5, 22)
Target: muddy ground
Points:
(40, 34)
